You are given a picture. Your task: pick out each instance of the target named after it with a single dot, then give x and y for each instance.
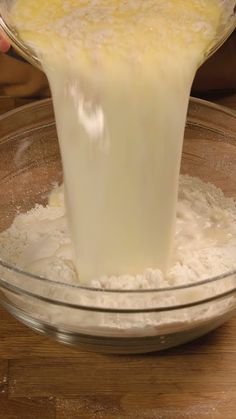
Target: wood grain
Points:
(41, 379)
(124, 375)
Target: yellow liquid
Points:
(120, 74)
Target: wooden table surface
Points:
(41, 379)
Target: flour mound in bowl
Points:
(204, 246)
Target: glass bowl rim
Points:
(186, 286)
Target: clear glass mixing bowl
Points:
(26, 52)
(111, 321)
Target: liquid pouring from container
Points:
(123, 232)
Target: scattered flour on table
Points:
(205, 241)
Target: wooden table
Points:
(41, 379)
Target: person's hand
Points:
(4, 43)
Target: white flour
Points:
(205, 241)
(205, 246)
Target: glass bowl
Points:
(111, 321)
(28, 54)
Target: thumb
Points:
(4, 43)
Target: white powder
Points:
(205, 241)
(205, 246)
